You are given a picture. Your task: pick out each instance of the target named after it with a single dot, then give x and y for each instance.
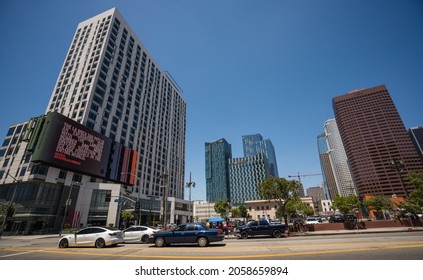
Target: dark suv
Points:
(342, 218)
(336, 219)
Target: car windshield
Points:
(111, 228)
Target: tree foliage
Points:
(297, 207)
(416, 196)
(220, 207)
(414, 203)
(126, 216)
(345, 204)
(243, 210)
(379, 203)
(236, 213)
(280, 190)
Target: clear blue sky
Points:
(270, 67)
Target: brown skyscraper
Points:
(374, 137)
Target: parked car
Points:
(138, 234)
(338, 218)
(261, 227)
(350, 218)
(187, 233)
(312, 221)
(99, 237)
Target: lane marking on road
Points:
(251, 256)
(16, 254)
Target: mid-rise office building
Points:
(245, 174)
(111, 84)
(217, 155)
(379, 150)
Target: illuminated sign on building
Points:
(66, 144)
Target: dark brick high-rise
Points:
(373, 135)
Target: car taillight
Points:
(113, 233)
(219, 232)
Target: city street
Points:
(370, 246)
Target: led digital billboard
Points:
(66, 144)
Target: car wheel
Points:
(100, 243)
(160, 242)
(144, 239)
(63, 243)
(277, 233)
(202, 241)
(244, 235)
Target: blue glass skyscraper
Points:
(254, 145)
(218, 154)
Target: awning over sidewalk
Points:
(216, 219)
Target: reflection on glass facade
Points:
(416, 135)
(322, 147)
(254, 145)
(217, 157)
(245, 175)
(36, 204)
(334, 162)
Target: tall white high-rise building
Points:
(111, 84)
(338, 160)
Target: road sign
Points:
(119, 200)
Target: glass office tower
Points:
(217, 156)
(254, 145)
(246, 173)
(339, 161)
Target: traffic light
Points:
(137, 206)
(108, 197)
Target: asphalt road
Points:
(373, 246)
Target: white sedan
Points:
(311, 221)
(138, 233)
(99, 237)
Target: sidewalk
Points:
(359, 231)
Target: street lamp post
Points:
(165, 177)
(10, 204)
(67, 204)
(190, 185)
(398, 165)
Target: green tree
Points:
(414, 203)
(126, 216)
(297, 207)
(345, 204)
(281, 190)
(236, 213)
(379, 203)
(244, 212)
(416, 196)
(220, 207)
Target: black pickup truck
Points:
(262, 227)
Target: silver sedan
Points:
(138, 233)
